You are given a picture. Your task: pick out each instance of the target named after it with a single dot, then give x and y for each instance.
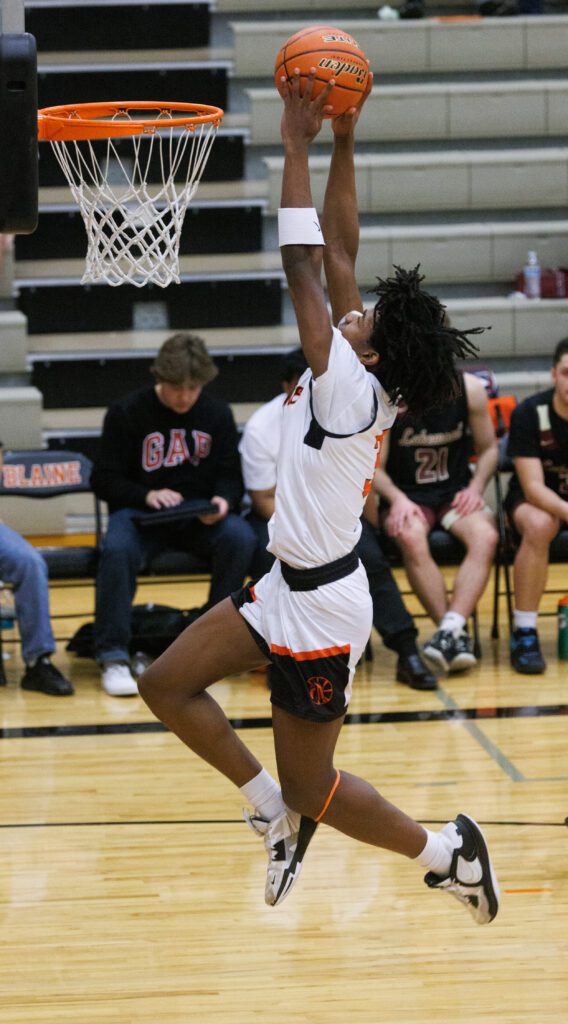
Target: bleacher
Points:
(462, 167)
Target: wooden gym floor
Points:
(132, 892)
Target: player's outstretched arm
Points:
(301, 240)
(340, 221)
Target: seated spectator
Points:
(160, 446)
(259, 451)
(537, 502)
(426, 481)
(24, 568)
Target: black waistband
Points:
(311, 579)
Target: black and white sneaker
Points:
(471, 878)
(441, 649)
(286, 840)
(464, 657)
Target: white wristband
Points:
(299, 225)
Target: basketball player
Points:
(311, 615)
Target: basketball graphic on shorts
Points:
(320, 690)
(334, 54)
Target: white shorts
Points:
(314, 639)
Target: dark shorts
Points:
(312, 638)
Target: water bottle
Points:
(563, 629)
(531, 275)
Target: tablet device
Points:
(185, 510)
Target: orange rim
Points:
(81, 120)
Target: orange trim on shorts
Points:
(330, 797)
(327, 652)
(252, 592)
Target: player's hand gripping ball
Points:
(334, 54)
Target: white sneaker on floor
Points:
(286, 840)
(117, 680)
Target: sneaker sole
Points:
(462, 662)
(47, 691)
(436, 657)
(492, 890)
(305, 835)
(537, 671)
(121, 691)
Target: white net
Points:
(133, 193)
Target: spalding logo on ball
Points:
(334, 54)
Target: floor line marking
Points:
(479, 736)
(236, 821)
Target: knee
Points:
(539, 528)
(307, 796)
(32, 566)
(485, 540)
(152, 688)
(119, 550)
(414, 546)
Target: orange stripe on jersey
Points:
(252, 593)
(327, 652)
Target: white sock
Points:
(438, 851)
(264, 793)
(524, 620)
(453, 623)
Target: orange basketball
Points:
(334, 54)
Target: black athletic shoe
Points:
(286, 840)
(526, 655)
(471, 878)
(412, 671)
(464, 657)
(46, 678)
(441, 649)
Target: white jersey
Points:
(332, 427)
(260, 445)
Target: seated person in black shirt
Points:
(425, 479)
(537, 502)
(161, 445)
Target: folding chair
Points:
(500, 409)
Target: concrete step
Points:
(445, 110)
(519, 329)
(453, 180)
(425, 47)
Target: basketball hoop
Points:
(133, 204)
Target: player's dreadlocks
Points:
(418, 349)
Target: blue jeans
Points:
(228, 547)
(23, 567)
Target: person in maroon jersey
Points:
(426, 480)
